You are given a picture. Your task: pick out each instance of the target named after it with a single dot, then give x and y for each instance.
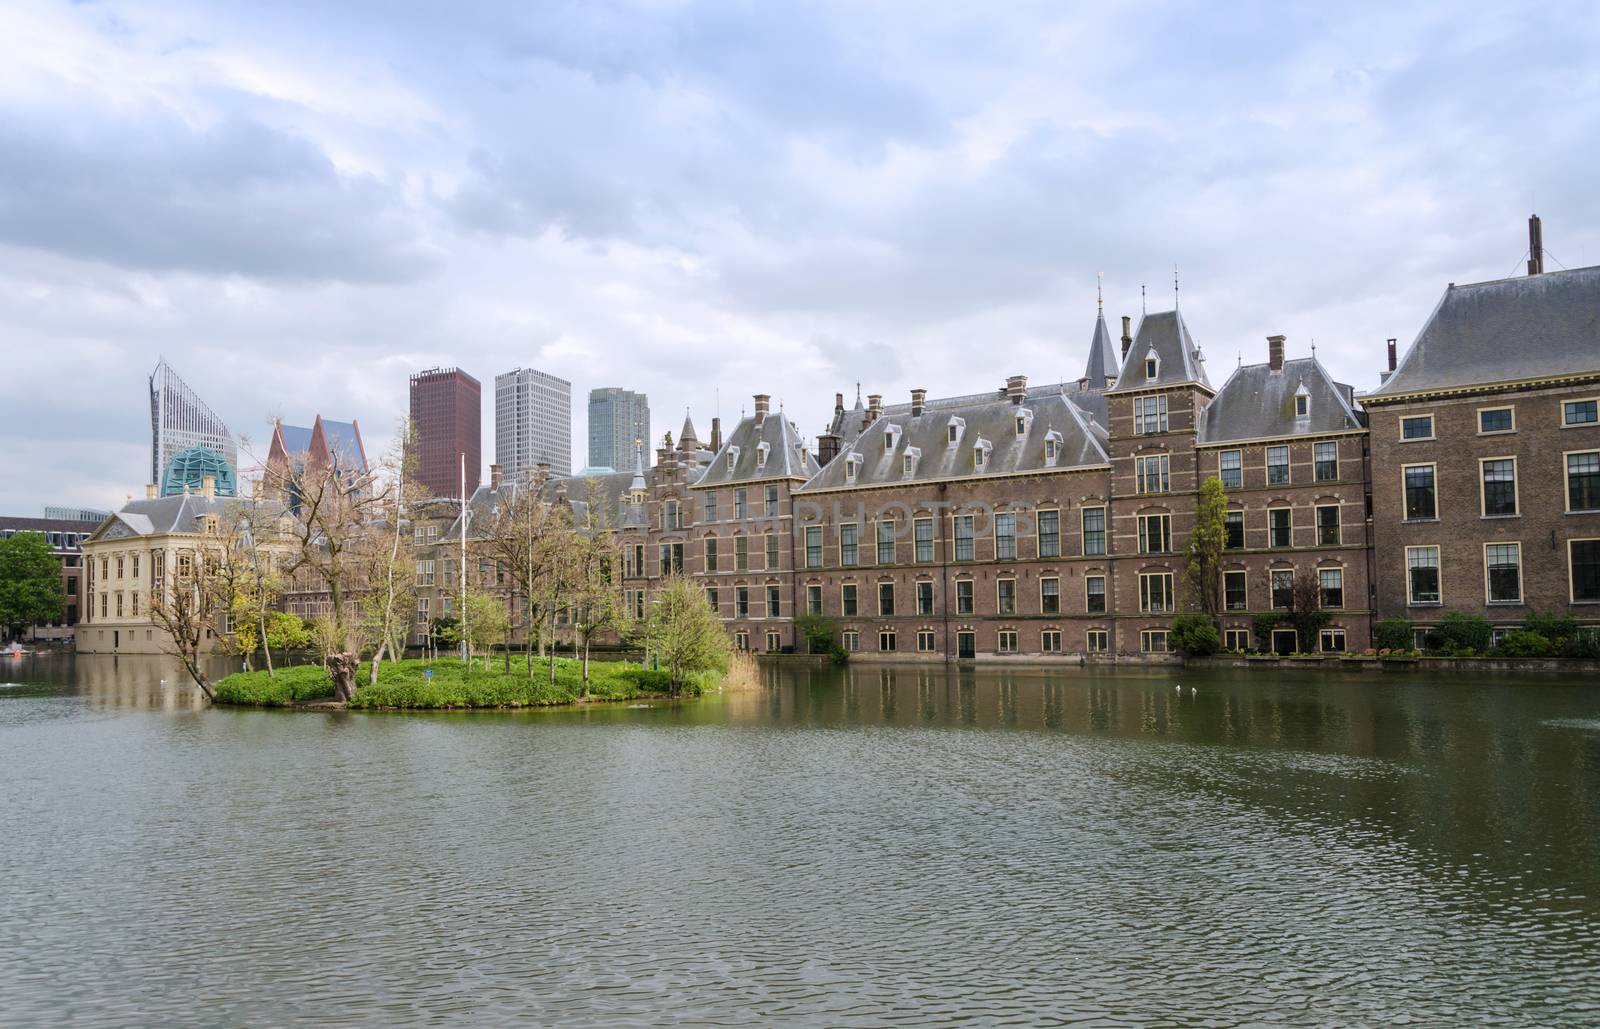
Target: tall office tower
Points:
(532, 422)
(447, 417)
(617, 417)
(180, 421)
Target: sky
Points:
(300, 204)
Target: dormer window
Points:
(980, 453)
(1302, 402)
(761, 455)
(733, 457)
(1052, 447)
(891, 438)
(908, 463)
(1023, 419)
(852, 467)
(1152, 365)
(953, 430)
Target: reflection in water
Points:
(847, 846)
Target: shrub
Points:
(1558, 629)
(284, 687)
(839, 654)
(1462, 633)
(818, 632)
(1262, 626)
(1393, 634)
(1584, 643)
(1523, 643)
(1196, 635)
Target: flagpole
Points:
(466, 513)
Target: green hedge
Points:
(286, 686)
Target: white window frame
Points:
(1042, 580)
(1105, 601)
(1438, 567)
(1092, 637)
(1148, 638)
(1480, 412)
(1405, 515)
(1168, 593)
(1572, 580)
(1243, 574)
(1432, 425)
(1516, 487)
(1222, 469)
(1564, 401)
(849, 588)
(1050, 641)
(1488, 598)
(1152, 469)
(1566, 477)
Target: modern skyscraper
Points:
(447, 416)
(617, 417)
(532, 422)
(179, 421)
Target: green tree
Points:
(1393, 634)
(819, 632)
(683, 633)
(1207, 541)
(487, 623)
(30, 582)
(1196, 635)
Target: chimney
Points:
(919, 401)
(716, 434)
(1275, 352)
(874, 408)
(494, 476)
(1127, 336)
(1016, 388)
(541, 474)
(828, 446)
(208, 486)
(1535, 246)
(1391, 355)
(838, 403)
(763, 404)
(151, 491)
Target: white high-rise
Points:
(180, 420)
(532, 422)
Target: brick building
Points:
(447, 418)
(66, 537)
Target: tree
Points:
(1207, 541)
(283, 631)
(595, 555)
(683, 633)
(393, 572)
(524, 535)
(1196, 635)
(30, 582)
(1305, 610)
(1393, 634)
(819, 632)
(486, 624)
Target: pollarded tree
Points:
(1207, 541)
(31, 592)
(683, 633)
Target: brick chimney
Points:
(716, 434)
(1392, 355)
(1016, 388)
(208, 486)
(919, 401)
(838, 403)
(874, 409)
(828, 446)
(763, 405)
(494, 476)
(1535, 246)
(1127, 336)
(1275, 352)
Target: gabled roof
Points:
(1177, 358)
(787, 455)
(1102, 363)
(987, 417)
(176, 513)
(1531, 327)
(1258, 403)
(344, 445)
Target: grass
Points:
(401, 684)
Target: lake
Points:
(856, 846)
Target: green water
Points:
(859, 847)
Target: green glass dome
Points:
(189, 467)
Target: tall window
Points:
(1280, 527)
(1006, 596)
(1155, 592)
(772, 501)
(1155, 534)
(738, 503)
(1234, 522)
(1097, 641)
(1277, 466)
(963, 596)
(887, 639)
(1583, 481)
(847, 599)
(1230, 468)
(924, 598)
(849, 554)
(1499, 486)
(1326, 457)
(669, 515)
(741, 554)
(711, 553)
(1094, 531)
(1328, 526)
(886, 543)
(1006, 641)
(772, 551)
(922, 529)
(814, 599)
(710, 512)
(1330, 587)
(1503, 565)
(813, 546)
(1095, 594)
(741, 601)
(1151, 473)
(1420, 500)
(1422, 575)
(1149, 414)
(1005, 537)
(1233, 591)
(1050, 596)
(886, 598)
(774, 601)
(1282, 590)
(1583, 558)
(1580, 412)
(963, 537)
(1049, 533)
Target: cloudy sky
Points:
(300, 204)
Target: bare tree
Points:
(393, 572)
(595, 556)
(524, 534)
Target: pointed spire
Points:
(1102, 364)
(637, 486)
(688, 435)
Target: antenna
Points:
(1100, 290)
(1174, 287)
(1142, 311)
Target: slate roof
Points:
(176, 513)
(1102, 363)
(1258, 403)
(989, 417)
(787, 454)
(1534, 326)
(1178, 359)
